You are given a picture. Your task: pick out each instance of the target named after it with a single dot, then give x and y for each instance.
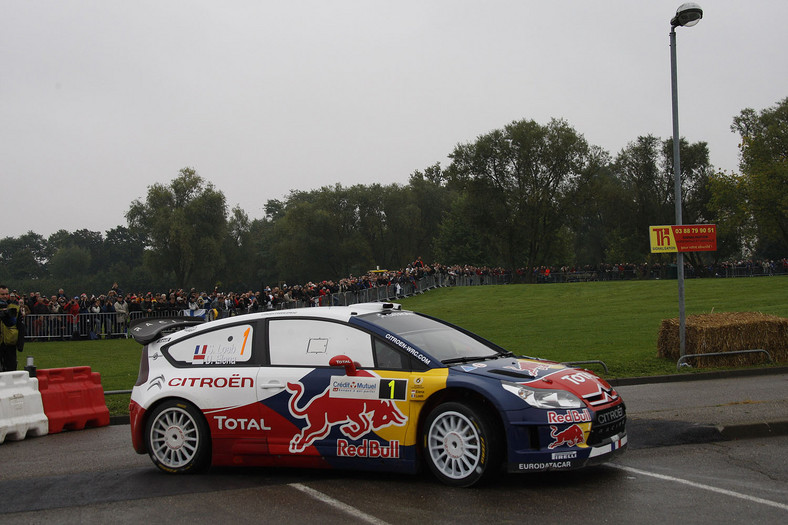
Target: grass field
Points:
(615, 322)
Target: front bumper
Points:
(568, 458)
(565, 440)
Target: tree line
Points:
(523, 196)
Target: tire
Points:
(178, 438)
(462, 446)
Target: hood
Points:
(538, 373)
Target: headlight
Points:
(543, 398)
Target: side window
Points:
(391, 358)
(230, 345)
(312, 342)
(388, 357)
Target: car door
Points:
(322, 395)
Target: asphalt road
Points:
(671, 472)
(93, 476)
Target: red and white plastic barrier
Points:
(73, 398)
(21, 409)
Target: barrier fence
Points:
(110, 325)
(82, 326)
(44, 327)
(631, 272)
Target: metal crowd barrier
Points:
(682, 360)
(754, 270)
(85, 325)
(46, 327)
(82, 326)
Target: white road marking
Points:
(702, 486)
(338, 504)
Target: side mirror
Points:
(343, 360)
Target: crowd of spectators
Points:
(127, 305)
(91, 315)
(611, 272)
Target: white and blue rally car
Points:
(369, 387)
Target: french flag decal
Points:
(199, 354)
(616, 442)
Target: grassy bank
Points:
(616, 322)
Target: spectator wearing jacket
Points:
(39, 309)
(12, 330)
(72, 320)
(122, 310)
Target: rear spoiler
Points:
(147, 330)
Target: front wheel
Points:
(461, 444)
(178, 438)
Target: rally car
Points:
(370, 387)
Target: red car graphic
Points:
(357, 416)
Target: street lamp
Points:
(687, 15)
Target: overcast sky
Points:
(101, 99)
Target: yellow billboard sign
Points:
(684, 238)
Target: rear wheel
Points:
(461, 444)
(178, 438)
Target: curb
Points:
(700, 376)
(120, 420)
(655, 433)
(754, 430)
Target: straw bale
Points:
(726, 332)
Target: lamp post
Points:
(687, 15)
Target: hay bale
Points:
(726, 332)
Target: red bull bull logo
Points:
(570, 437)
(356, 417)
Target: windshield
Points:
(444, 342)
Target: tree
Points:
(242, 268)
(649, 187)
(24, 257)
(764, 167)
(600, 213)
(70, 263)
(516, 181)
(317, 237)
(696, 172)
(184, 225)
(645, 170)
(735, 228)
(337, 231)
(123, 244)
(397, 217)
(432, 198)
(458, 241)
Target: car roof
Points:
(148, 330)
